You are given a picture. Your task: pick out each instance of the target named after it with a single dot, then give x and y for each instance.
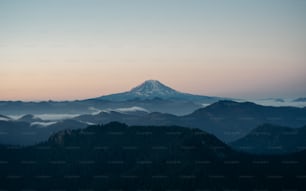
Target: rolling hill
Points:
(272, 139)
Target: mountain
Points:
(151, 95)
(120, 157)
(230, 120)
(144, 137)
(272, 139)
(152, 89)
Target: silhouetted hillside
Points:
(120, 157)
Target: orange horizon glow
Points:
(80, 82)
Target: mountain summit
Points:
(153, 89)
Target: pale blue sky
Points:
(238, 48)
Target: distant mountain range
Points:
(119, 157)
(228, 120)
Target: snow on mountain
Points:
(153, 88)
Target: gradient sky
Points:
(74, 49)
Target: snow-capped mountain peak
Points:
(153, 88)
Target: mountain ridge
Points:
(272, 139)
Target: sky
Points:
(75, 49)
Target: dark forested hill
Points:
(120, 157)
